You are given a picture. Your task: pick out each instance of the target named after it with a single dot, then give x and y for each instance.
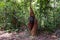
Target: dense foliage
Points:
(47, 13)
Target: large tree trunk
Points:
(32, 25)
(34, 29)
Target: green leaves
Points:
(2, 4)
(44, 12)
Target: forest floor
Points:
(25, 36)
